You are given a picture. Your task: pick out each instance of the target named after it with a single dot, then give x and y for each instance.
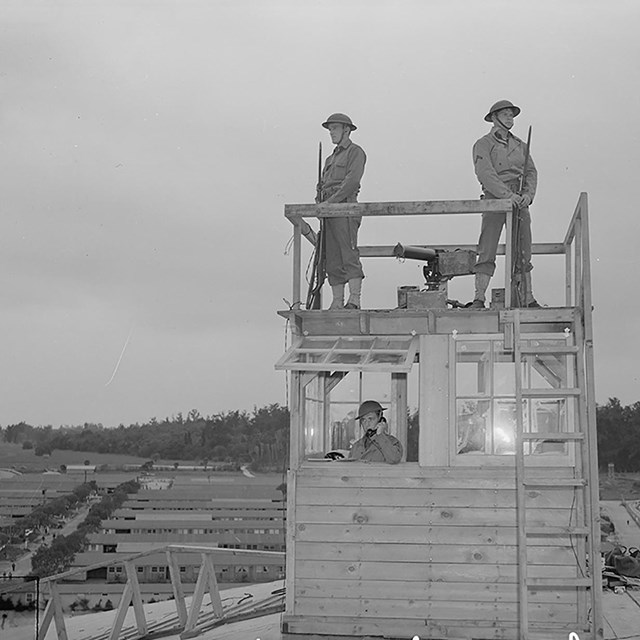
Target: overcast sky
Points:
(147, 150)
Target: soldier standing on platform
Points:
(499, 162)
(340, 182)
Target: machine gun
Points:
(441, 266)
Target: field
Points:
(14, 456)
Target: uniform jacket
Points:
(382, 447)
(499, 164)
(342, 173)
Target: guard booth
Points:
(488, 528)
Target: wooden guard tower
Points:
(489, 526)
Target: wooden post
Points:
(508, 269)
(292, 475)
(568, 271)
(592, 438)
(296, 420)
(578, 292)
(399, 395)
(523, 595)
(297, 264)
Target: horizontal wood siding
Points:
(374, 545)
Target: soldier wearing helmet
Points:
(376, 445)
(499, 159)
(340, 182)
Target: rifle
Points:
(523, 177)
(318, 272)
(518, 288)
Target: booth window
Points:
(332, 375)
(361, 353)
(485, 394)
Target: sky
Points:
(147, 150)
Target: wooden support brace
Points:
(214, 592)
(53, 611)
(46, 620)
(123, 606)
(138, 609)
(58, 614)
(196, 600)
(178, 591)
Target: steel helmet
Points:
(501, 104)
(369, 406)
(339, 118)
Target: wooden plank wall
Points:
(407, 550)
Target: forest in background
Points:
(261, 437)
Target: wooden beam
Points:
(416, 208)
(386, 251)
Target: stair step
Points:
(558, 582)
(559, 482)
(557, 531)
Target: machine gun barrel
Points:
(414, 253)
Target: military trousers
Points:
(342, 258)
(490, 231)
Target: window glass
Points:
(485, 396)
(331, 402)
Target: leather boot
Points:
(529, 300)
(479, 296)
(355, 289)
(338, 297)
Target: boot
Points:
(338, 297)
(481, 284)
(355, 289)
(529, 300)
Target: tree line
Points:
(261, 437)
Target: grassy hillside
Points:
(13, 455)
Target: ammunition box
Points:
(456, 263)
(426, 300)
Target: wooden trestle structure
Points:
(489, 526)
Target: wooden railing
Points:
(575, 243)
(189, 621)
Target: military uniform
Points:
(381, 447)
(340, 182)
(498, 164)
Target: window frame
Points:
(456, 459)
